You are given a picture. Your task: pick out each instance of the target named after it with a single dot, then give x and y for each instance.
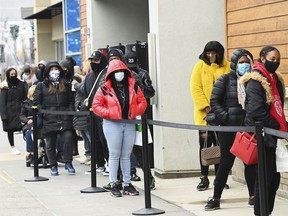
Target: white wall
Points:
(182, 29)
(113, 22)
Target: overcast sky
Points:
(10, 10)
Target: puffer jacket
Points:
(258, 100)
(201, 84)
(11, 99)
(106, 104)
(58, 101)
(224, 99)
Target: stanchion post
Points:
(36, 176)
(262, 167)
(148, 210)
(93, 188)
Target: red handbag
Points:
(245, 148)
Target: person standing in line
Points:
(227, 102)
(54, 94)
(13, 93)
(98, 63)
(38, 76)
(148, 91)
(119, 98)
(264, 102)
(207, 70)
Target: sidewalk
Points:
(61, 196)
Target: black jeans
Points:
(67, 141)
(211, 141)
(102, 153)
(226, 140)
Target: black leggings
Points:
(11, 138)
(227, 160)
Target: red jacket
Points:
(106, 104)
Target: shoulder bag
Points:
(210, 155)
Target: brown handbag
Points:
(210, 155)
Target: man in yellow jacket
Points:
(207, 70)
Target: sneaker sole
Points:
(130, 194)
(212, 209)
(120, 195)
(202, 189)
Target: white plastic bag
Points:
(138, 134)
(281, 156)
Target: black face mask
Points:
(95, 67)
(271, 66)
(13, 79)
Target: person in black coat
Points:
(226, 102)
(264, 103)
(54, 94)
(13, 93)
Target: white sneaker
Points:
(100, 169)
(106, 172)
(15, 151)
(87, 159)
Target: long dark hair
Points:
(213, 46)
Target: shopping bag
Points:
(210, 155)
(245, 148)
(281, 156)
(138, 134)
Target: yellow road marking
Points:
(6, 180)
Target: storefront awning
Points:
(48, 12)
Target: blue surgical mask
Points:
(243, 68)
(119, 76)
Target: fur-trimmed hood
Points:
(255, 75)
(3, 84)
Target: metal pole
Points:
(36, 176)
(93, 188)
(146, 169)
(262, 170)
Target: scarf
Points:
(241, 94)
(276, 106)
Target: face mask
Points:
(119, 76)
(271, 66)
(95, 67)
(54, 75)
(26, 77)
(212, 59)
(13, 78)
(243, 68)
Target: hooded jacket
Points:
(58, 101)
(224, 99)
(12, 96)
(201, 84)
(258, 100)
(106, 104)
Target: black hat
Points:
(131, 59)
(114, 52)
(96, 56)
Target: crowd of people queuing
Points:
(64, 86)
(238, 93)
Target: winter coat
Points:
(258, 100)
(106, 104)
(26, 114)
(201, 84)
(10, 104)
(80, 122)
(58, 101)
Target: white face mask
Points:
(54, 75)
(26, 77)
(119, 76)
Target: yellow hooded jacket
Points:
(201, 84)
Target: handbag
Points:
(210, 155)
(245, 147)
(281, 156)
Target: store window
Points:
(72, 30)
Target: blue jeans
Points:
(29, 140)
(120, 139)
(87, 141)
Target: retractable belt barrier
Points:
(148, 210)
